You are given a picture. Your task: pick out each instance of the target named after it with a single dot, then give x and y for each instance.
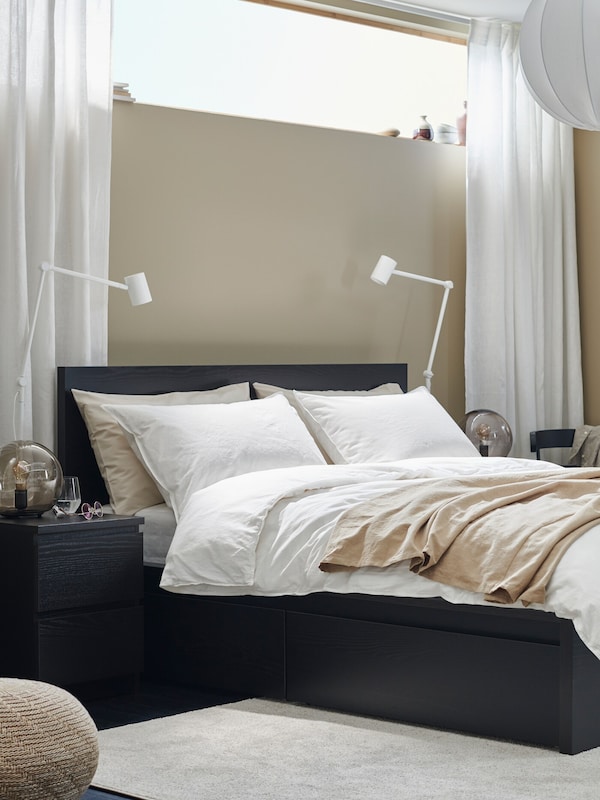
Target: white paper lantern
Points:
(560, 59)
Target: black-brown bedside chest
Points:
(71, 593)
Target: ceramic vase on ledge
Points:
(424, 130)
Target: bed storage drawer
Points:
(225, 646)
(394, 671)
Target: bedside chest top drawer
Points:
(89, 569)
(54, 563)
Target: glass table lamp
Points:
(31, 479)
(488, 431)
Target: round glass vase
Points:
(31, 479)
(488, 431)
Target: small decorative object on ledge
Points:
(461, 126)
(121, 92)
(31, 479)
(489, 432)
(424, 130)
(446, 134)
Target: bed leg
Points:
(579, 694)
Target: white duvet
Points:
(264, 533)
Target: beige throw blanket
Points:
(499, 535)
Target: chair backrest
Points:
(552, 437)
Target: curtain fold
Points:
(56, 106)
(522, 335)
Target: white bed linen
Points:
(159, 528)
(264, 534)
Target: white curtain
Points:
(56, 111)
(523, 352)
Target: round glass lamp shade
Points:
(560, 59)
(488, 431)
(31, 479)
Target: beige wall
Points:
(587, 189)
(258, 239)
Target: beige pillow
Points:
(130, 487)
(265, 390)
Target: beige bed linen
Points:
(496, 535)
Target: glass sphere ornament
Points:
(31, 479)
(488, 431)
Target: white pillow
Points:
(353, 430)
(186, 448)
(266, 390)
(129, 486)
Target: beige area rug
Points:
(263, 750)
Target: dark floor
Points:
(150, 702)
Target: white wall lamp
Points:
(384, 269)
(560, 59)
(139, 294)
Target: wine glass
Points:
(70, 497)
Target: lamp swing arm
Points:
(45, 268)
(21, 379)
(427, 373)
(21, 382)
(139, 294)
(425, 279)
(381, 274)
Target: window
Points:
(248, 59)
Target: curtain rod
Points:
(377, 13)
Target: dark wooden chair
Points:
(552, 437)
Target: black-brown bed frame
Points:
(514, 674)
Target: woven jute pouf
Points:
(48, 742)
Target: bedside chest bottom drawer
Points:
(91, 646)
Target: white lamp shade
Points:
(137, 286)
(383, 270)
(560, 59)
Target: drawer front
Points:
(77, 648)
(85, 569)
(471, 683)
(218, 645)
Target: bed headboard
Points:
(73, 447)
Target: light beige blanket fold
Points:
(499, 535)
